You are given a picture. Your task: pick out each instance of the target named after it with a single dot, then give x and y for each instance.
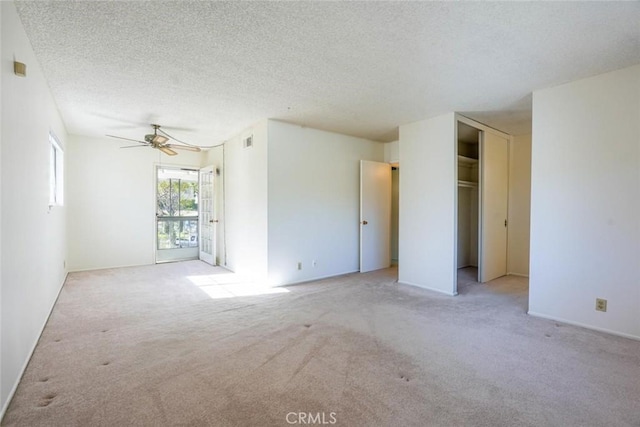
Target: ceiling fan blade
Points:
(168, 151)
(127, 139)
(133, 146)
(184, 147)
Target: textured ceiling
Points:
(206, 70)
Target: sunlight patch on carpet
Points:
(231, 285)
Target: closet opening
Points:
(482, 202)
(468, 203)
(395, 202)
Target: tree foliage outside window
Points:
(177, 210)
(177, 197)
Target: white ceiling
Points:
(207, 70)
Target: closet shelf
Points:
(465, 159)
(467, 184)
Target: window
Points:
(177, 208)
(56, 171)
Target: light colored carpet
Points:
(170, 345)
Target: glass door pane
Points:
(208, 221)
(176, 214)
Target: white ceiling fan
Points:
(160, 142)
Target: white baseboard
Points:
(428, 288)
(582, 325)
(316, 278)
(80, 270)
(517, 274)
(5, 406)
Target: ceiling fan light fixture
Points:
(159, 139)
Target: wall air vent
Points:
(248, 142)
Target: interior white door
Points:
(375, 215)
(493, 206)
(208, 221)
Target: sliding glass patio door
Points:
(176, 214)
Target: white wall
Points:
(33, 245)
(519, 205)
(585, 202)
(392, 152)
(2, 71)
(111, 202)
(427, 203)
(215, 157)
(246, 203)
(314, 201)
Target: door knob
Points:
(213, 220)
(365, 222)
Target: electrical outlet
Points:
(601, 304)
(299, 265)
